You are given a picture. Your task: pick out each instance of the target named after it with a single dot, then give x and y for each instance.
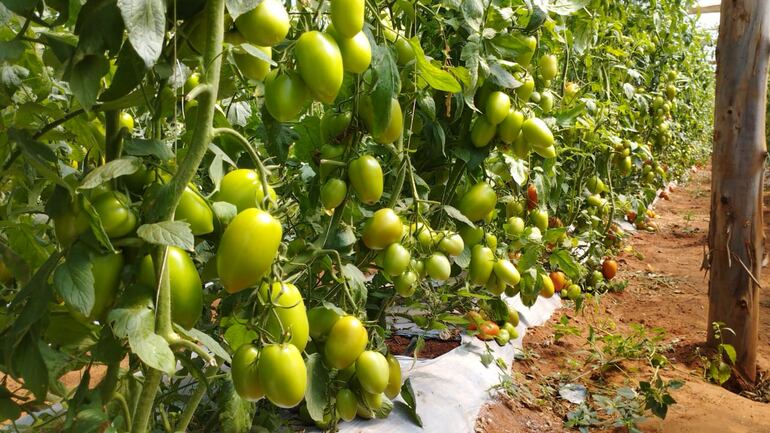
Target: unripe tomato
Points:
(333, 124)
(426, 237)
(573, 291)
(514, 208)
(520, 147)
(250, 66)
(356, 51)
(546, 289)
(513, 316)
(243, 188)
(106, 269)
(482, 264)
(503, 337)
(670, 92)
(115, 213)
(546, 101)
(245, 372)
(372, 371)
(514, 226)
(418, 266)
(595, 200)
(346, 404)
(372, 401)
(570, 90)
(479, 201)
(288, 312)
(186, 286)
(549, 66)
(595, 185)
(70, 225)
(609, 268)
(559, 280)
(491, 240)
(404, 51)
(438, 267)
(365, 176)
(506, 272)
(488, 330)
(333, 193)
(482, 132)
(396, 259)
(286, 95)
(346, 341)
(508, 130)
(247, 249)
(497, 107)
(331, 152)
(347, 16)
(540, 219)
(321, 320)
(126, 122)
(452, 244)
(471, 235)
(394, 378)
(404, 284)
(382, 229)
(320, 64)
(525, 56)
(282, 374)
(524, 91)
(192, 82)
(265, 25)
(395, 127)
(626, 165)
(537, 133)
(194, 210)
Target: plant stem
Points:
(113, 135)
(146, 401)
(193, 401)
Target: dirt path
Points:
(666, 290)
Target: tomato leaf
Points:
(454, 213)
(499, 75)
(436, 77)
(128, 75)
(563, 260)
(86, 77)
(145, 22)
(136, 322)
(388, 81)
(111, 170)
(74, 280)
(206, 340)
(224, 211)
(238, 334)
(473, 12)
(567, 7)
(169, 233)
(317, 393)
(28, 364)
(356, 282)
(236, 415)
(145, 147)
(237, 8)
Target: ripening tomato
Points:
(372, 371)
(288, 313)
(382, 229)
(559, 280)
(451, 244)
(126, 122)
(479, 201)
(346, 341)
(537, 133)
(508, 130)
(570, 90)
(365, 176)
(115, 213)
(253, 67)
(245, 372)
(394, 378)
(265, 25)
(531, 197)
(405, 284)
(503, 337)
(333, 193)
(320, 63)
(549, 66)
(282, 374)
(526, 89)
(438, 267)
(243, 188)
(546, 289)
(356, 51)
(395, 127)
(506, 272)
(347, 404)
(247, 249)
(488, 330)
(186, 286)
(395, 259)
(286, 95)
(194, 210)
(106, 269)
(482, 264)
(497, 107)
(513, 316)
(540, 219)
(347, 16)
(482, 132)
(609, 268)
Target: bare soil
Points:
(667, 289)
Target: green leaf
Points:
(237, 8)
(9, 410)
(144, 147)
(169, 233)
(536, 20)
(317, 393)
(111, 170)
(224, 211)
(356, 281)
(453, 212)
(96, 223)
(136, 322)
(86, 76)
(99, 27)
(567, 7)
(500, 76)
(436, 77)
(238, 334)
(28, 364)
(206, 340)
(11, 51)
(236, 415)
(518, 169)
(388, 81)
(145, 22)
(128, 75)
(563, 260)
(91, 420)
(74, 280)
(410, 402)
(730, 352)
(473, 12)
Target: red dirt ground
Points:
(666, 289)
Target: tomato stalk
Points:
(113, 135)
(193, 401)
(216, 132)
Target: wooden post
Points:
(736, 229)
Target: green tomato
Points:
(497, 107)
(547, 288)
(70, 225)
(537, 133)
(471, 235)
(418, 266)
(395, 259)
(333, 124)
(372, 372)
(478, 202)
(382, 229)
(405, 284)
(253, 67)
(507, 272)
(438, 267)
(595, 185)
(549, 66)
(321, 320)
(286, 95)
(395, 127)
(365, 176)
(288, 313)
(482, 264)
(514, 226)
(331, 152)
(194, 210)
(247, 249)
(540, 218)
(282, 374)
(192, 82)
(404, 51)
(347, 340)
(546, 101)
(502, 337)
(394, 378)
(670, 92)
(372, 401)
(508, 129)
(347, 16)
(243, 188)
(333, 193)
(244, 369)
(115, 213)
(525, 56)
(265, 25)
(106, 269)
(126, 122)
(356, 51)
(320, 63)
(526, 89)
(573, 291)
(346, 404)
(482, 132)
(186, 286)
(452, 244)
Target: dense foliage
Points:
(298, 180)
